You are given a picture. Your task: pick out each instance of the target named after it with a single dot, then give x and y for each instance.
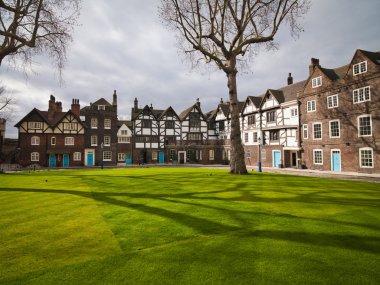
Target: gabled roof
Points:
(124, 122)
(290, 91)
(102, 101)
(36, 111)
(373, 56)
(54, 121)
(136, 112)
(186, 112)
(166, 111)
(211, 114)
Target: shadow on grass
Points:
(204, 226)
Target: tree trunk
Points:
(237, 163)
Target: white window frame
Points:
(70, 126)
(107, 124)
(107, 155)
(53, 141)
(211, 154)
(332, 101)
(94, 123)
(35, 140)
(124, 139)
(246, 137)
(311, 106)
(305, 127)
(77, 156)
(101, 107)
(316, 82)
(94, 140)
(317, 123)
(121, 156)
(360, 157)
(371, 125)
(318, 150)
(154, 155)
(330, 135)
(107, 140)
(294, 112)
(255, 137)
(35, 125)
(69, 141)
(356, 95)
(358, 68)
(35, 156)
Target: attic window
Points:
(359, 68)
(316, 82)
(101, 107)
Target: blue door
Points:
(66, 160)
(90, 159)
(52, 160)
(128, 159)
(276, 158)
(161, 157)
(335, 160)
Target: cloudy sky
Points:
(122, 45)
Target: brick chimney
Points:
(52, 107)
(58, 106)
(290, 79)
(75, 107)
(314, 63)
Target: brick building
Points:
(52, 138)
(101, 132)
(340, 115)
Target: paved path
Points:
(312, 173)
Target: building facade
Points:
(101, 139)
(340, 115)
(52, 138)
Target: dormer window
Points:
(101, 107)
(360, 68)
(316, 82)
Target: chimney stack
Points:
(136, 104)
(58, 106)
(52, 107)
(198, 103)
(314, 63)
(151, 106)
(75, 107)
(114, 101)
(290, 79)
(221, 100)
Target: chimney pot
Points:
(290, 79)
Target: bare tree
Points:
(222, 32)
(29, 27)
(7, 103)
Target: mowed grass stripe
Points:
(202, 226)
(48, 228)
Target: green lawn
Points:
(186, 226)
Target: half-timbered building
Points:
(270, 123)
(146, 135)
(170, 135)
(52, 138)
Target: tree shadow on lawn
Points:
(204, 226)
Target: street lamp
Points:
(259, 164)
(101, 147)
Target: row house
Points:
(163, 136)
(52, 138)
(340, 115)
(270, 123)
(101, 139)
(124, 142)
